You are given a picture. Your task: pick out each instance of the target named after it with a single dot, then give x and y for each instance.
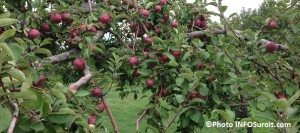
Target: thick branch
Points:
(62, 57)
(14, 119)
(137, 123)
(111, 117)
(83, 80)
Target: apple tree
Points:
(61, 58)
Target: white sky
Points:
(233, 6)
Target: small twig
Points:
(111, 117)
(137, 123)
(119, 38)
(90, 5)
(15, 117)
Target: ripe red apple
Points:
(73, 31)
(280, 95)
(192, 95)
(136, 72)
(199, 66)
(1, 30)
(162, 21)
(147, 25)
(40, 82)
(176, 54)
(147, 40)
(166, 16)
(140, 33)
(133, 61)
(157, 30)
(157, 8)
(198, 95)
(132, 26)
(164, 92)
(22, 9)
(105, 18)
(56, 18)
(101, 106)
(174, 24)
(83, 27)
(145, 13)
(272, 24)
(294, 75)
(197, 22)
(92, 120)
(211, 77)
(203, 24)
(212, 67)
(33, 33)
(150, 83)
(271, 47)
(165, 58)
(66, 17)
(79, 63)
(163, 2)
(72, 89)
(93, 29)
(45, 27)
(97, 92)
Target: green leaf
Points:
(7, 34)
(5, 118)
(24, 94)
(228, 115)
(179, 98)
(173, 63)
(82, 93)
(196, 116)
(268, 95)
(22, 43)
(6, 49)
(7, 21)
(179, 81)
(43, 51)
(59, 118)
(187, 76)
(282, 104)
(16, 50)
(294, 97)
(17, 74)
(39, 126)
(149, 4)
(223, 8)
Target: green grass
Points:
(125, 111)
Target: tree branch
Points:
(83, 80)
(137, 123)
(14, 119)
(111, 117)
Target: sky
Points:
(233, 6)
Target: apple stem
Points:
(137, 123)
(111, 117)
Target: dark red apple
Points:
(22, 9)
(198, 95)
(33, 33)
(192, 95)
(133, 61)
(166, 16)
(272, 24)
(45, 27)
(40, 82)
(56, 18)
(165, 58)
(294, 75)
(93, 29)
(150, 83)
(211, 77)
(176, 54)
(157, 30)
(136, 72)
(157, 8)
(197, 22)
(74, 32)
(203, 24)
(174, 24)
(212, 67)
(199, 66)
(92, 120)
(101, 106)
(162, 21)
(145, 13)
(97, 92)
(147, 40)
(164, 92)
(163, 2)
(132, 26)
(140, 33)
(79, 63)
(271, 47)
(105, 18)
(280, 95)
(65, 17)
(1, 30)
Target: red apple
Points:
(271, 47)
(1, 30)
(140, 33)
(211, 77)
(145, 13)
(136, 72)
(192, 95)
(79, 63)
(164, 92)
(97, 92)
(176, 54)
(66, 17)
(72, 89)
(74, 32)
(92, 120)
(22, 9)
(132, 26)
(197, 22)
(294, 75)
(147, 40)
(166, 16)
(105, 18)
(165, 58)
(33, 33)
(198, 95)
(174, 24)
(83, 27)
(56, 18)
(280, 95)
(162, 21)
(199, 66)
(157, 30)
(40, 82)
(150, 83)
(45, 27)
(157, 8)
(133, 61)
(93, 29)
(101, 106)
(163, 2)
(203, 24)
(212, 67)
(272, 24)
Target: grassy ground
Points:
(125, 112)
